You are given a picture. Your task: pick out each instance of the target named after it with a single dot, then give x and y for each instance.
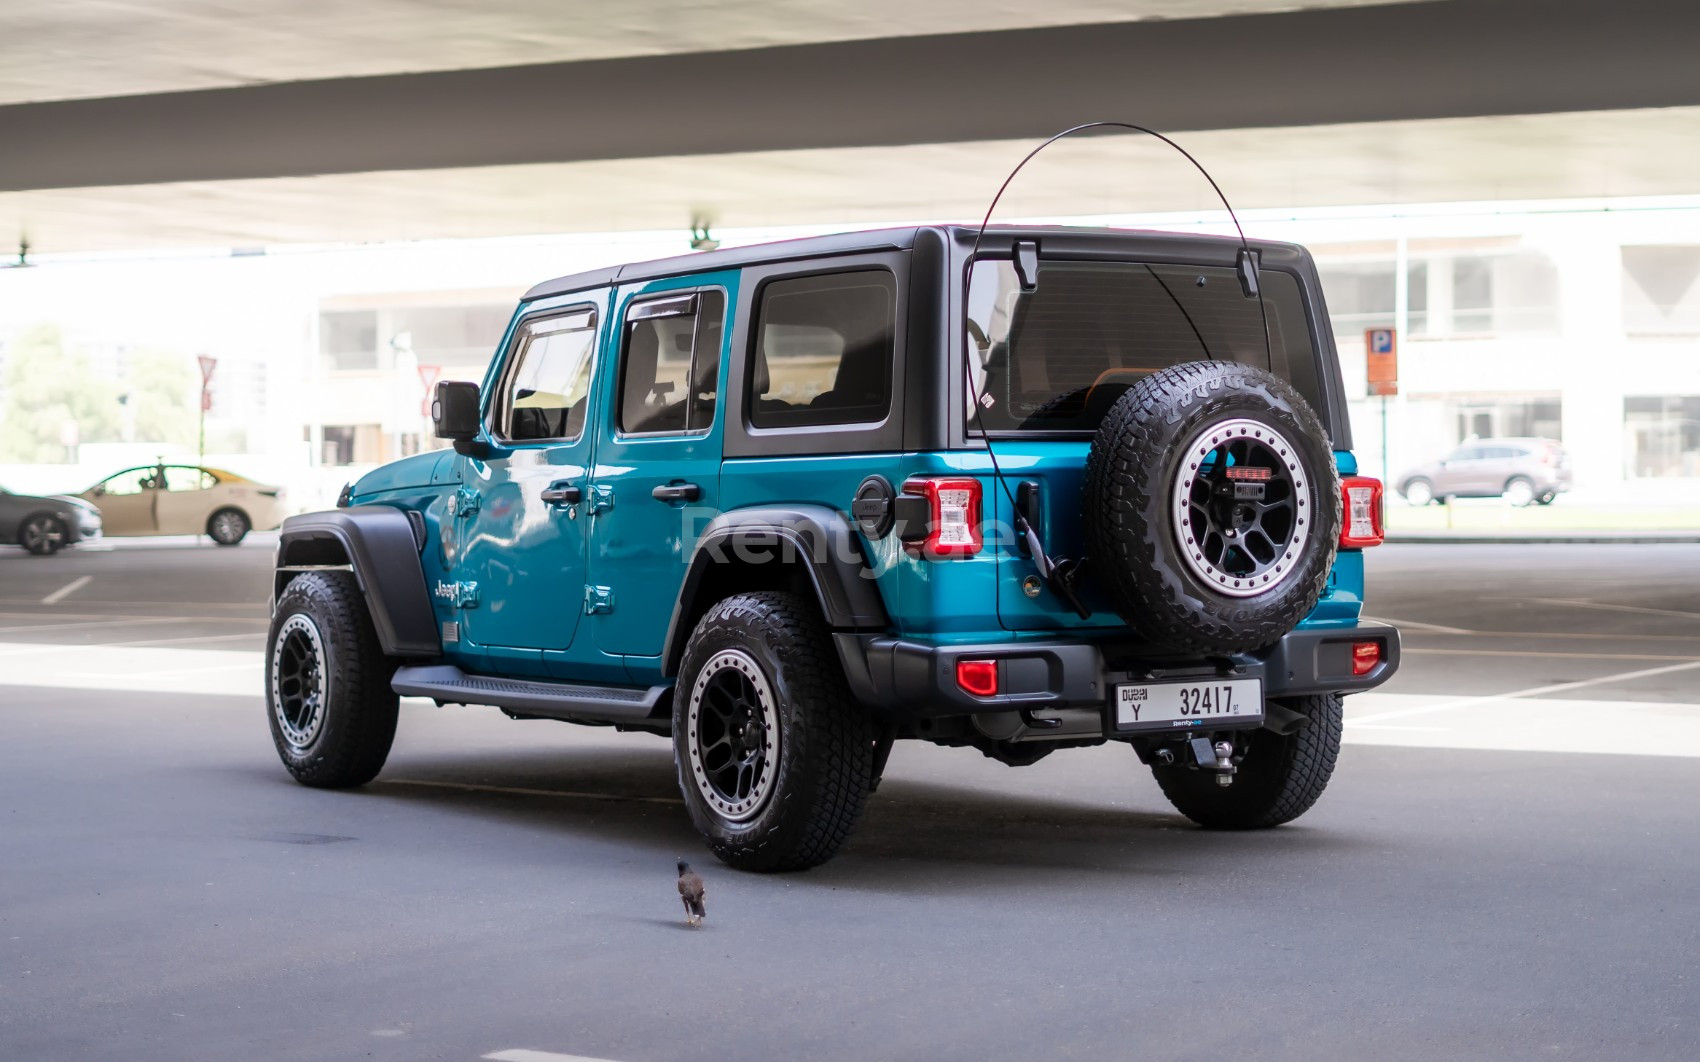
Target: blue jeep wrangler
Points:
(787, 504)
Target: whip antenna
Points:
(1059, 575)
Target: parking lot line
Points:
(1535, 652)
(67, 590)
(1602, 606)
(523, 1054)
(1532, 691)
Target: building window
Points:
(1536, 417)
(1663, 435)
(348, 340)
(1661, 290)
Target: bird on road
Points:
(691, 892)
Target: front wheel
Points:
(775, 760)
(328, 694)
(43, 535)
(1281, 776)
(1419, 492)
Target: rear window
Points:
(1057, 358)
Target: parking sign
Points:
(1381, 346)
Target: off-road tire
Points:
(1132, 541)
(228, 527)
(352, 740)
(1281, 776)
(43, 535)
(825, 741)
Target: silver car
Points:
(1523, 471)
(44, 525)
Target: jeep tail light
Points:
(1362, 504)
(953, 516)
(1365, 655)
(978, 677)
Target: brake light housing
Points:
(954, 516)
(1360, 524)
(1365, 655)
(978, 678)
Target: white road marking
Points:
(1414, 625)
(1532, 691)
(531, 792)
(525, 1054)
(38, 627)
(67, 590)
(1615, 608)
(1621, 728)
(1534, 652)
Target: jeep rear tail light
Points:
(1361, 525)
(953, 516)
(977, 677)
(1365, 655)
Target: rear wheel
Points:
(227, 527)
(774, 758)
(1281, 776)
(43, 535)
(328, 694)
(1519, 492)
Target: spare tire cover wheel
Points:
(1212, 507)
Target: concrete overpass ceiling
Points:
(1580, 155)
(78, 49)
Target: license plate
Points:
(1181, 705)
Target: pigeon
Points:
(691, 891)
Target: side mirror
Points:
(454, 415)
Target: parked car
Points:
(46, 524)
(186, 500)
(1522, 470)
(1113, 501)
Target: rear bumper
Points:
(914, 679)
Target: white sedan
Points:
(186, 500)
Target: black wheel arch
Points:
(380, 545)
(811, 550)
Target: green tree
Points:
(47, 387)
(164, 389)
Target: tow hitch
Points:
(1213, 757)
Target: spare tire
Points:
(1212, 508)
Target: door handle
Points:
(677, 492)
(563, 495)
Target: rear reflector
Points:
(978, 677)
(1365, 655)
(953, 523)
(1361, 525)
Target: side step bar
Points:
(447, 684)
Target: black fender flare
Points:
(380, 545)
(819, 537)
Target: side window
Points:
(546, 388)
(823, 350)
(132, 482)
(179, 478)
(670, 377)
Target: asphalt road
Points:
(1504, 866)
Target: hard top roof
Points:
(893, 239)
